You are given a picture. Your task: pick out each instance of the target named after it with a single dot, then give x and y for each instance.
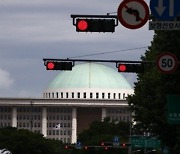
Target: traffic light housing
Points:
(131, 68)
(67, 147)
(125, 145)
(55, 65)
(95, 25)
(106, 143)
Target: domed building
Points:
(74, 99)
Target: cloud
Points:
(5, 79)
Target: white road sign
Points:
(133, 14)
(167, 62)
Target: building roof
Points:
(90, 75)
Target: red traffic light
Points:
(124, 145)
(95, 25)
(50, 66)
(105, 148)
(56, 65)
(67, 147)
(82, 25)
(102, 144)
(131, 68)
(86, 147)
(122, 68)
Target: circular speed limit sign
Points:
(167, 62)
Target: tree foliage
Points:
(149, 102)
(25, 142)
(104, 132)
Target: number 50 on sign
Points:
(167, 62)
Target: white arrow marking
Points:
(160, 9)
(171, 8)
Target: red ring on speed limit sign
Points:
(167, 62)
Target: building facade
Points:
(74, 99)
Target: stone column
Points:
(14, 117)
(74, 125)
(44, 121)
(103, 113)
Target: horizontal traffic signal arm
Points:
(95, 23)
(130, 66)
(97, 60)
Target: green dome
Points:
(90, 75)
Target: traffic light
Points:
(125, 145)
(133, 68)
(85, 147)
(67, 147)
(106, 148)
(55, 65)
(102, 143)
(106, 143)
(95, 25)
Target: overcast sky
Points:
(31, 30)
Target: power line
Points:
(103, 53)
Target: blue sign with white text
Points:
(116, 139)
(78, 145)
(165, 9)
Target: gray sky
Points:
(31, 30)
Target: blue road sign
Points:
(165, 9)
(116, 139)
(78, 145)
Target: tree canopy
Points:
(104, 132)
(149, 102)
(25, 142)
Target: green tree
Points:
(149, 102)
(99, 132)
(25, 142)
(104, 132)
